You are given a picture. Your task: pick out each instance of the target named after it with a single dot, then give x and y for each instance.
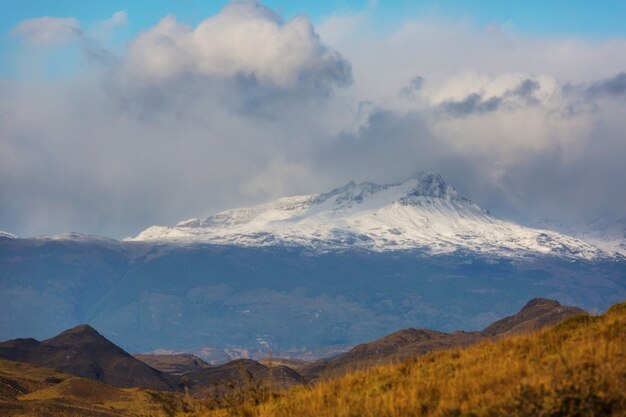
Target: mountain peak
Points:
(428, 184)
(418, 186)
(81, 329)
(76, 335)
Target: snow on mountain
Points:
(422, 213)
(607, 234)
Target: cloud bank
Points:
(246, 106)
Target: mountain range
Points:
(349, 265)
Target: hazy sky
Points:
(118, 115)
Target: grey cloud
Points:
(478, 103)
(414, 86)
(526, 88)
(390, 147)
(548, 185)
(472, 104)
(610, 87)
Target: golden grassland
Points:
(577, 368)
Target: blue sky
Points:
(562, 17)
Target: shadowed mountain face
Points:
(403, 344)
(538, 313)
(82, 351)
(173, 364)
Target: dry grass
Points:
(577, 368)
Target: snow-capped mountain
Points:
(422, 213)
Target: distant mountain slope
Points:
(422, 213)
(82, 351)
(536, 314)
(173, 364)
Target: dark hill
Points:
(242, 373)
(537, 313)
(82, 351)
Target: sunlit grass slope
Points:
(577, 368)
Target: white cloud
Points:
(244, 40)
(119, 18)
(336, 28)
(103, 29)
(48, 30)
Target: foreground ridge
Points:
(423, 213)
